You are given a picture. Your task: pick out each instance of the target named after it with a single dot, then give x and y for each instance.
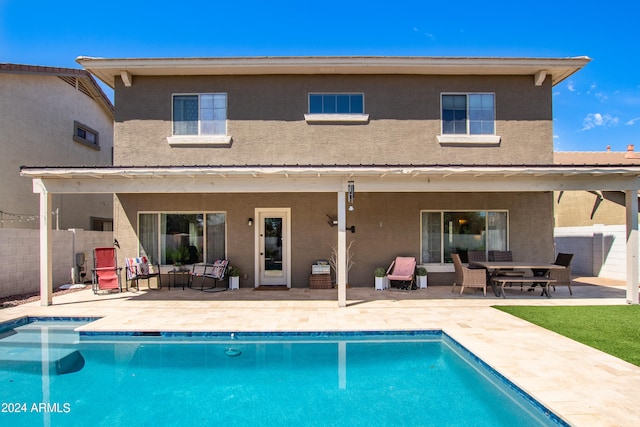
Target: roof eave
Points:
(108, 69)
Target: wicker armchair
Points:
(468, 277)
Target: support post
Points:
(633, 268)
(341, 268)
(46, 248)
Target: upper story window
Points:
(471, 114)
(336, 107)
(199, 119)
(468, 118)
(201, 114)
(336, 103)
(85, 135)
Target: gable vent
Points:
(77, 84)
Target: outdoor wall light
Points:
(250, 222)
(333, 221)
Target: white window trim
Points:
(200, 139)
(343, 118)
(449, 139)
(458, 139)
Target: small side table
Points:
(184, 278)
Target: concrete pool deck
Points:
(582, 385)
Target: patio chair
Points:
(562, 277)
(476, 256)
(468, 277)
(403, 269)
(105, 272)
(140, 268)
(203, 272)
(505, 256)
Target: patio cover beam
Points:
(458, 181)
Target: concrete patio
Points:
(582, 385)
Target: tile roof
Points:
(629, 157)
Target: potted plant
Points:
(421, 274)
(178, 256)
(380, 275)
(234, 278)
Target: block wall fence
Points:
(20, 258)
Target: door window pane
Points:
(272, 245)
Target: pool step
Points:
(57, 361)
(25, 349)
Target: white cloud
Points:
(571, 87)
(599, 120)
(556, 136)
(632, 121)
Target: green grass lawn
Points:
(612, 329)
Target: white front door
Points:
(273, 247)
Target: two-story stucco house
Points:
(275, 163)
(52, 116)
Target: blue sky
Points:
(596, 107)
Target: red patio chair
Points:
(106, 273)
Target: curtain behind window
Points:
(148, 232)
(216, 245)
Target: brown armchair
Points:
(468, 277)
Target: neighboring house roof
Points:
(108, 70)
(81, 79)
(629, 157)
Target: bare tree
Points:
(333, 261)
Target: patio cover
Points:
(334, 178)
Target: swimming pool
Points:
(52, 375)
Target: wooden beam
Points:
(127, 79)
(539, 77)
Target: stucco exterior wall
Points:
(574, 209)
(37, 114)
(266, 121)
(387, 225)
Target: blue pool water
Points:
(52, 375)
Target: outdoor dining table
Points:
(539, 269)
